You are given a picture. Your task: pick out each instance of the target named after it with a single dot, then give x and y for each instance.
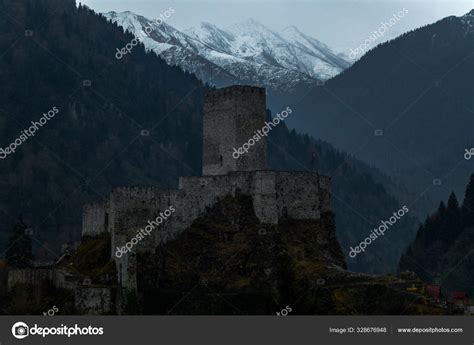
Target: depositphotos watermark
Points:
(376, 34)
(148, 29)
(468, 153)
(21, 330)
(285, 311)
(261, 133)
(380, 231)
(146, 231)
(52, 311)
(27, 133)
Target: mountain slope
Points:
(94, 143)
(362, 197)
(417, 89)
(443, 248)
(291, 49)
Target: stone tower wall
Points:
(232, 115)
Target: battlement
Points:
(127, 193)
(231, 92)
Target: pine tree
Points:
(421, 235)
(19, 253)
(438, 221)
(438, 241)
(453, 225)
(468, 204)
(441, 209)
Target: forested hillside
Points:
(443, 248)
(134, 121)
(415, 91)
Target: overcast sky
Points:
(341, 24)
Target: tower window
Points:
(220, 158)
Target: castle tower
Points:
(232, 115)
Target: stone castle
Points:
(231, 117)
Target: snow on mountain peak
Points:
(247, 25)
(253, 29)
(295, 36)
(246, 52)
(468, 19)
(203, 29)
(211, 35)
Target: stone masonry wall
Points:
(303, 195)
(30, 276)
(298, 195)
(95, 218)
(231, 117)
(130, 210)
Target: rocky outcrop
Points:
(228, 262)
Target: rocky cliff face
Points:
(231, 263)
(227, 262)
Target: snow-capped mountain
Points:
(247, 52)
(468, 20)
(290, 49)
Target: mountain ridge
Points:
(415, 91)
(252, 53)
